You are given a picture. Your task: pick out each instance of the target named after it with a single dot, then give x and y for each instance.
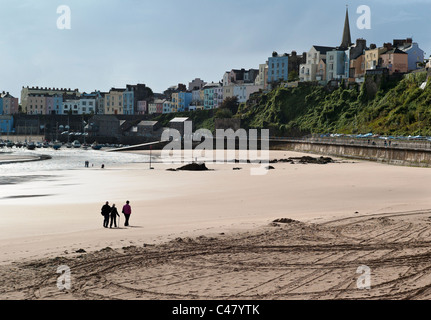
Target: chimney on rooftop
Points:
(388, 46)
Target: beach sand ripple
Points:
(286, 259)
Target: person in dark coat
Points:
(106, 210)
(114, 214)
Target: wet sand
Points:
(211, 235)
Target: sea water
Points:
(67, 159)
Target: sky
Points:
(161, 43)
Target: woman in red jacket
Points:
(127, 211)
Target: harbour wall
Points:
(384, 154)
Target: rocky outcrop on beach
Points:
(192, 167)
(305, 160)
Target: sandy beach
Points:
(212, 235)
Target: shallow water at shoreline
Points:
(66, 159)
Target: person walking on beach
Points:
(114, 214)
(106, 210)
(127, 211)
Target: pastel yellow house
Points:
(174, 102)
(114, 101)
(228, 91)
(36, 104)
(372, 57)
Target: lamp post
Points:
(151, 148)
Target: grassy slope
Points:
(400, 108)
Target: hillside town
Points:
(322, 65)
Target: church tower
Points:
(347, 39)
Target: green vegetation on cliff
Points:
(378, 106)
(396, 107)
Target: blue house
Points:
(6, 124)
(184, 101)
(209, 95)
(1, 106)
(129, 102)
(278, 67)
(415, 55)
(54, 104)
(337, 65)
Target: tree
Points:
(231, 104)
(293, 76)
(223, 114)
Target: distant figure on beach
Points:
(103, 166)
(87, 164)
(106, 210)
(127, 211)
(114, 214)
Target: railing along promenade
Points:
(420, 145)
(394, 151)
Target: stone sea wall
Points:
(384, 154)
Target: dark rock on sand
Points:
(191, 167)
(304, 160)
(284, 220)
(307, 159)
(194, 167)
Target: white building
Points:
(308, 71)
(262, 76)
(79, 106)
(243, 91)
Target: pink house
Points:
(396, 61)
(10, 104)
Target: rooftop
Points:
(147, 123)
(179, 120)
(323, 50)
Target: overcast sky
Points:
(161, 43)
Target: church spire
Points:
(347, 39)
